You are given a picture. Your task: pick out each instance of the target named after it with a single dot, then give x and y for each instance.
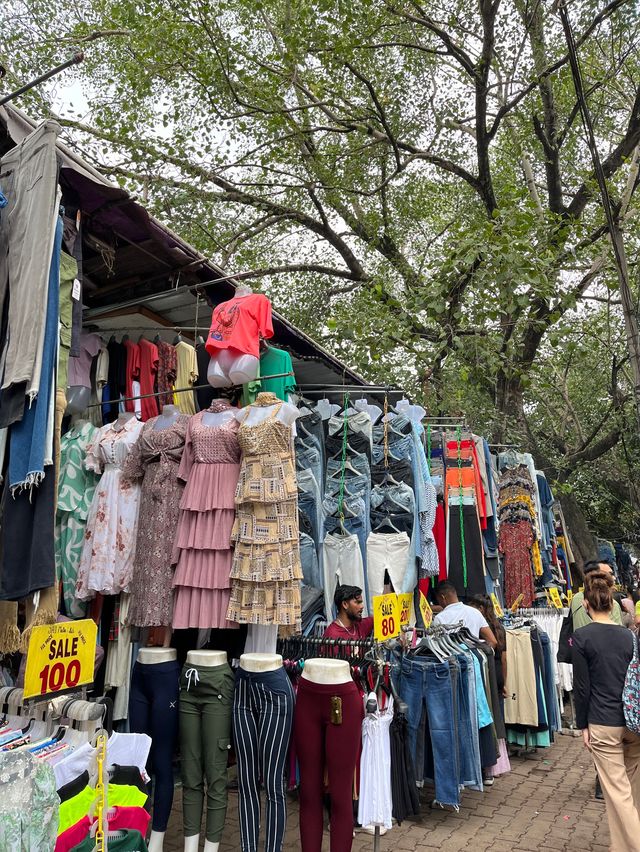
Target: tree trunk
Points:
(583, 542)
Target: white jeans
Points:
(386, 552)
(342, 564)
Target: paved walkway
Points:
(545, 803)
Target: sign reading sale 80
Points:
(60, 657)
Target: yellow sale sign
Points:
(426, 611)
(386, 617)
(404, 602)
(60, 657)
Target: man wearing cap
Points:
(349, 623)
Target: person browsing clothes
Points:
(602, 651)
(349, 623)
(454, 612)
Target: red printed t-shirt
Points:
(358, 630)
(239, 324)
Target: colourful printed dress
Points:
(154, 460)
(106, 564)
(76, 487)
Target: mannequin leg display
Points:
(156, 841)
(262, 720)
(319, 742)
(153, 710)
(205, 741)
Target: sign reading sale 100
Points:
(60, 657)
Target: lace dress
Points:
(154, 460)
(210, 466)
(29, 804)
(106, 564)
(266, 570)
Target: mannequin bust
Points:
(327, 409)
(207, 658)
(413, 412)
(320, 670)
(230, 366)
(78, 397)
(170, 414)
(260, 662)
(262, 409)
(123, 418)
(217, 418)
(372, 410)
(151, 656)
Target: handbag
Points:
(631, 692)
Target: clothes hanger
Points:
(157, 339)
(177, 339)
(386, 522)
(125, 337)
(347, 466)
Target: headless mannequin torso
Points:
(257, 413)
(231, 367)
(217, 418)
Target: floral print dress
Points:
(76, 487)
(108, 553)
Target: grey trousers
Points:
(29, 178)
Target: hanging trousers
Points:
(263, 705)
(206, 696)
(616, 754)
(153, 710)
(319, 744)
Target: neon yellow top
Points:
(124, 795)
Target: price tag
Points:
(556, 600)
(517, 602)
(569, 596)
(496, 605)
(426, 611)
(404, 602)
(76, 290)
(386, 617)
(60, 657)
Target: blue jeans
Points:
(309, 558)
(470, 768)
(309, 457)
(429, 684)
(310, 501)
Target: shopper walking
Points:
(602, 652)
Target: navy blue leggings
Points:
(153, 710)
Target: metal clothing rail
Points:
(176, 390)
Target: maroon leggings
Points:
(319, 743)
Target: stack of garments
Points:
(517, 535)
(210, 466)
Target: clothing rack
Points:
(175, 390)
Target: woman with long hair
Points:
(602, 652)
(485, 605)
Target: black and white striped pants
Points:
(262, 721)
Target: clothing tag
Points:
(569, 596)
(496, 605)
(517, 602)
(556, 600)
(76, 290)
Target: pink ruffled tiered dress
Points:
(210, 467)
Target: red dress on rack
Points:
(133, 371)
(148, 371)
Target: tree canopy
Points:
(409, 181)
